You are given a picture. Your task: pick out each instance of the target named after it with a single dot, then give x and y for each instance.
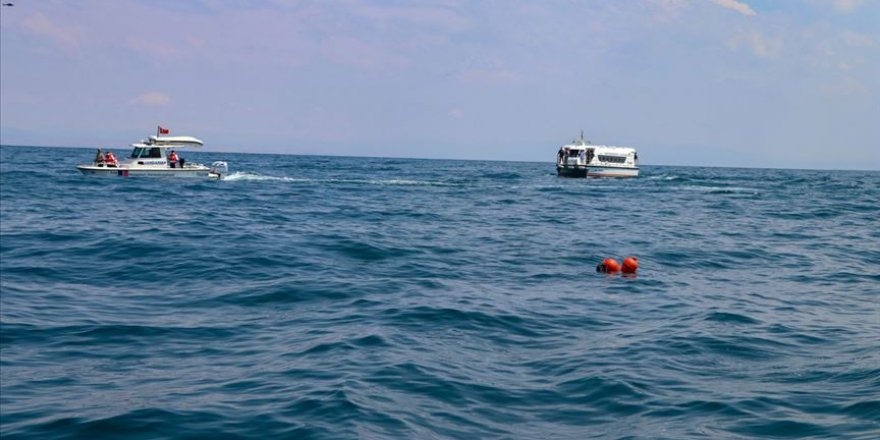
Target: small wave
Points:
(255, 296)
(595, 388)
(698, 407)
(778, 428)
(721, 189)
(743, 347)
(320, 349)
(157, 422)
(363, 250)
(503, 176)
(474, 320)
(868, 410)
(821, 213)
(733, 318)
(125, 334)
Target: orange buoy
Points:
(609, 265)
(630, 264)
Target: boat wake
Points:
(249, 176)
(666, 177)
(720, 189)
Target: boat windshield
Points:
(151, 152)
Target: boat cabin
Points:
(153, 152)
(597, 155)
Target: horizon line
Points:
(460, 159)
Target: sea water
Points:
(340, 297)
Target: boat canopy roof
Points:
(170, 141)
(600, 149)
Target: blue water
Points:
(335, 298)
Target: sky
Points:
(740, 83)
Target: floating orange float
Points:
(609, 265)
(630, 264)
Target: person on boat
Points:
(110, 159)
(99, 158)
(559, 156)
(172, 159)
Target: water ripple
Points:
(329, 297)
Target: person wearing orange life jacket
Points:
(110, 159)
(172, 159)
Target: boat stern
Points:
(219, 169)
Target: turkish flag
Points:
(163, 130)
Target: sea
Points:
(320, 297)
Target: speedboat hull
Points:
(612, 172)
(194, 171)
(595, 171)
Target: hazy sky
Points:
(770, 83)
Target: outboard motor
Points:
(219, 169)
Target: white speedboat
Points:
(580, 158)
(150, 158)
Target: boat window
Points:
(142, 152)
(612, 159)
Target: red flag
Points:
(163, 130)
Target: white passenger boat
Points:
(150, 158)
(580, 158)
